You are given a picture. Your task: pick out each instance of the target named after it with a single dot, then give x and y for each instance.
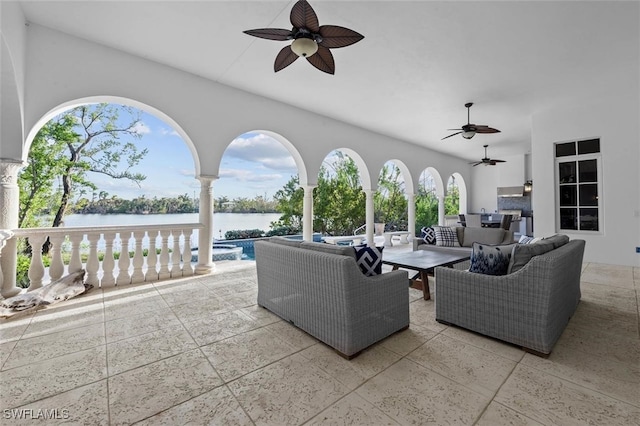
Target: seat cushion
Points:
(491, 259)
(369, 259)
(446, 236)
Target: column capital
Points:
(207, 179)
(9, 169)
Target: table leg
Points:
(424, 277)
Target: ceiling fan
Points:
(469, 130)
(486, 160)
(310, 40)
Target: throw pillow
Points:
(369, 259)
(525, 240)
(523, 253)
(558, 240)
(429, 235)
(446, 236)
(490, 260)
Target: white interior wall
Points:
(615, 122)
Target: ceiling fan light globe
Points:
(304, 47)
(468, 135)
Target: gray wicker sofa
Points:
(469, 235)
(320, 289)
(529, 308)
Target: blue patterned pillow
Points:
(446, 236)
(369, 259)
(429, 235)
(490, 260)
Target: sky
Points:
(253, 164)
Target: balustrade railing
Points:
(159, 252)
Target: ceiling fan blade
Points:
(446, 137)
(303, 16)
(285, 58)
(485, 129)
(334, 36)
(271, 33)
(477, 163)
(498, 161)
(323, 60)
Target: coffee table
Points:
(424, 262)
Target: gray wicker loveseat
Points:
(320, 289)
(529, 307)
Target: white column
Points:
(307, 213)
(411, 215)
(369, 217)
(205, 238)
(9, 207)
(441, 210)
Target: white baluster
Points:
(93, 265)
(56, 268)
(36, 268)
(152, 258)
(138, 259)
(175, 254)
(108, 263)
(164, 272)
(75, 263)
(124, 261)
(187, 269)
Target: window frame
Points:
(576, 158)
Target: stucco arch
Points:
(112, 100)
(297, 157)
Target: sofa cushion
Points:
(369, 259)
(428, 235)
(522, 253)
(491, 236)
(558, 240)
(329, 248)
(490, 259)
(446, 236)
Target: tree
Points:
(390, 205)
(339, 202)
(289, 203)
(88, 138)
(452, 199)
(43, 167)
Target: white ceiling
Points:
(419, 62)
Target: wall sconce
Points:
(528, 186)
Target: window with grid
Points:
(578, 185)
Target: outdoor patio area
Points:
(200, 350)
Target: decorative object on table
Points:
(486, 160)
(310, 40)
(63, 289)
(469, 130)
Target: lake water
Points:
(222, 222)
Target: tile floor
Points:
(199, 350)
